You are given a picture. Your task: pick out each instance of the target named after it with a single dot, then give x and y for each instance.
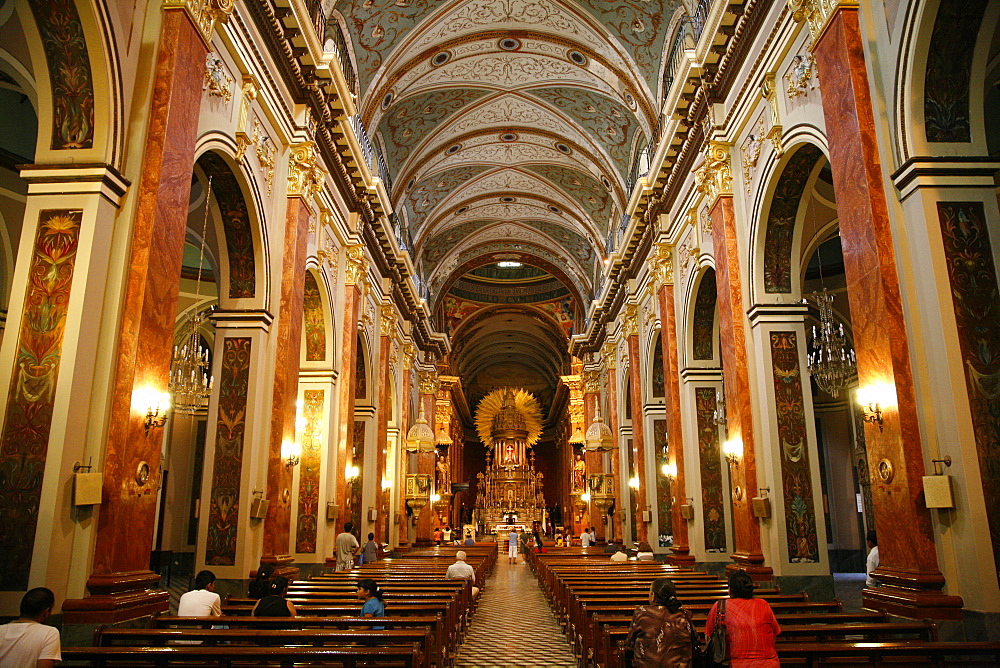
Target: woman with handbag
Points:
(750, 627)
(661, 634)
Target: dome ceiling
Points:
(509, 125)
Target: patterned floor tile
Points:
(513, 626)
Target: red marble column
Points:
(733, 349)
(620, 505)
(118, 585)
(594, 460)
(675, 437)
(425, 464)
(908, 568)
(382, 427)
(638, 429)
(353, 296)
(409, 354)
(288, 341)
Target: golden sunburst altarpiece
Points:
(525, 405)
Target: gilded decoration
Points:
(973, 275)
(310, 467)
(227, 467)
(801, 75)
(31, 398)
(661, 263)
(218, 83)
(313, 320)
(715, 177)
(427, 381)
(356, 266)
(608, 358)
(630, 320)
(591, 381)
(205, 14)
(710, 463)
(70, 78)
(796, 479)
(817, 13)
(409, 354)
(750, 150)
(305, 176)
(387, 323)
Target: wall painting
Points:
(309, 470)
(313, 320)
(710, 461)
(664, 503)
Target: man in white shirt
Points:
(512, 547)
(202, 601)
(462, 571)
(593, 535)
(347, 547)
(27, 641)
(872, 564)
(584, 538)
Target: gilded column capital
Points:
(409, 354)
(356, 267)
(715, 177)
(817, 13)
(591, 381)
(661, 262)
(205, 14)
(630, 320)
(387, 323)
(608, 358)
(305, 176)
(427, 381)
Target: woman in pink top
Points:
(750, 625)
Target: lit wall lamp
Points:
(873, 399)
(733, 450)
(351, 472)
(669, 471)
(633, 482)
(153, 405)
(291, 453)
(585, 497)
(386, 484)
(435, 498)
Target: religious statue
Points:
(579, 474)
(443, 474)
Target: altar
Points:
(509, 492)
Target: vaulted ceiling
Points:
(509, 125)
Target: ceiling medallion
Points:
(607, 184)
(387, 100)
(454, 148)
(562, 148)
(578, 58)
(554, 209)
(441, 58)
(510, 44)
(508, 137)
(461, 209)
(507, 200)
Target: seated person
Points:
(645, 552)
(610, 548)
(469, 540)
(202, 601)
(28, 641)
(369, 592)
(560, 541)
(619, 555)
(262, 583)
(462, 571)
(274, 604)
(370, 551)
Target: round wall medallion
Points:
(578, 57)
(510, 44)
(885, 471)
(562, 148)
(141, 473)
(441, 58)
(285, 495)
(387, 100)
(508, 137)
(738, 493)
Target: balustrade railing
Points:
(640, 167)
(334, 42)
(676, 55)
(700, 18)
(372, 154)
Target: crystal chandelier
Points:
(831, 360)
(190, 379)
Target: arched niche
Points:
(703, 340)
(315, 332)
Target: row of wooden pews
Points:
(426, 617)
(594, 599)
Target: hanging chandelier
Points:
(831, 361)
(190, 367)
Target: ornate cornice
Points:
(205, 14)
(817, 13)
(715, 177)
(661, 264)
(305, 176)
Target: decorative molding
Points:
(591, 381)
(800, 75)
(750, 150)
(661, 262)
(817, 13)
(715, 178)
(608, 358)
(409, 354)
(305, 176)
(630, 320)
(205, 14)
(427, 381)
(356, 267)
(217, 79)
(387, 323)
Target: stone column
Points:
(427, 385)
(407, 459)
(304, 178)
(591, 391)
(387, 329)
(715, 181)
(908, 569)
(355, 277)
(662, 262)
(631, 330)
(119, 583)
(610, 365)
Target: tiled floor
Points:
(513, 625)
(847, 587)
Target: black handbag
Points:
(717, 649)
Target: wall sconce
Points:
(153, 405)
(585, 497)
(351, 472)
(386, 484)
(733, 450)
(435, 498)
(291, 453)
(669, 471)
(873, 399)
(633, 482)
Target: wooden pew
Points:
(236, 655)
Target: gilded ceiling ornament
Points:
(305, 176)
(715, 177)
(217, 79)
(356, 266)
(630, 320)
(427, 381)
(205, 14)
(800, 75)
(661, 262)
(388, 321)
(817, 13)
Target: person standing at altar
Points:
(584, 538)
(512, 546)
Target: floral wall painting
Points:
(781, 219)
(309, 473)
(703, 331)
(314, 321)
(228, 196)
(710, 463)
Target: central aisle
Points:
(513, 625)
